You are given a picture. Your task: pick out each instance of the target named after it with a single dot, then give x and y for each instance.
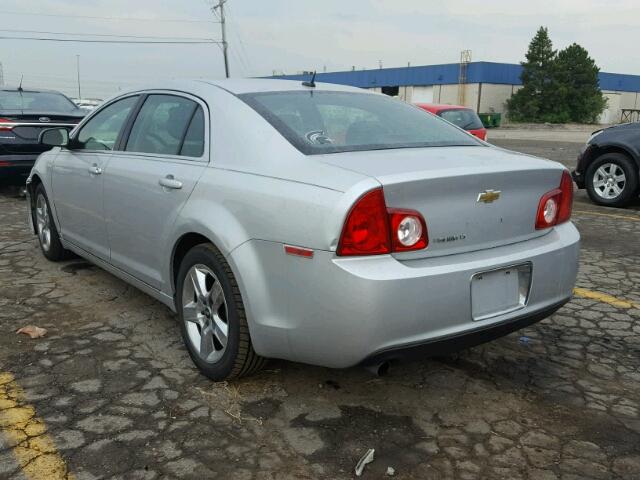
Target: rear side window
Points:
(318, 122)
(463, 118)
(193, 145)
(162, 125)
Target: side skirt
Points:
(122, 275)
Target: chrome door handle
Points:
(170, 182)
(95, 170)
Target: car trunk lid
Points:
(22, 129)
(472, 198)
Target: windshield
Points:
(319, 122)
(35, 102)
(463, 118)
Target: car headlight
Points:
(588, 144)
(594, 135)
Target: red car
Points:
(462, 117)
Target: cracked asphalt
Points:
(114, 391)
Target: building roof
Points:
(447, 74)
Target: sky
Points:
(288, 36)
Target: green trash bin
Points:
(491, 120)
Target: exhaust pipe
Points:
(379, 369)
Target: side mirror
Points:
(54, 137)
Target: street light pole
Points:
(78, 71)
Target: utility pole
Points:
(225, 45)
(78, 71)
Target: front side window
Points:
(163, 125)
(318, 122)
(40, 102)
(462, 117)
(102, 130)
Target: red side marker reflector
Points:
(298, 251)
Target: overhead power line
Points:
(137, 19)
(82, 40)
(71, 34)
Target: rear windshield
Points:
(318, 122)
(463, 118)
(35, 102)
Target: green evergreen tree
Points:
(579, 76)
(536, 101)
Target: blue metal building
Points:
(447, 74)
(486, 88)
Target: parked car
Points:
(463, 117)
(609, 165)
(320, 224)
(23, 115)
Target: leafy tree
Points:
(556, 88)
(535, 100)
(579, 75)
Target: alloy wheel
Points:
(609, 181)
(43, 222)
(205, 313)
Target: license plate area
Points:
(499, 291)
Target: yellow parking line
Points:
(611, 215)
(34, 450)
(603, 297)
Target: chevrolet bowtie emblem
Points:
(488, 196)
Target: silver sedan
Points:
(314, 223)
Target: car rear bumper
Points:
(340, 311)
(16, 165)
(463, 340)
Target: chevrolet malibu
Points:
(314, 223)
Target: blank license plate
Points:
(497, 292)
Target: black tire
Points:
(630, 189)
(239, 359)
(51, 249)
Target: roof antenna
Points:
(20, 86)
(312, 82)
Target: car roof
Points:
(255, 85)
(438, 107)
(238, 86)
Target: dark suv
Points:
(609, 165)
(23, 115)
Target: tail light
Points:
(6, 124)
(366, 230)
(555, 206)
(408, 230)
(372, 229)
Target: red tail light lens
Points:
(371, 229)
(366, 231)
(6, 124)
(555, 206)
(566, 205)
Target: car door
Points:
(165, 152)
(77, 179)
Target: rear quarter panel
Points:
(259, 187)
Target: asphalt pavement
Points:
(110, 392)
